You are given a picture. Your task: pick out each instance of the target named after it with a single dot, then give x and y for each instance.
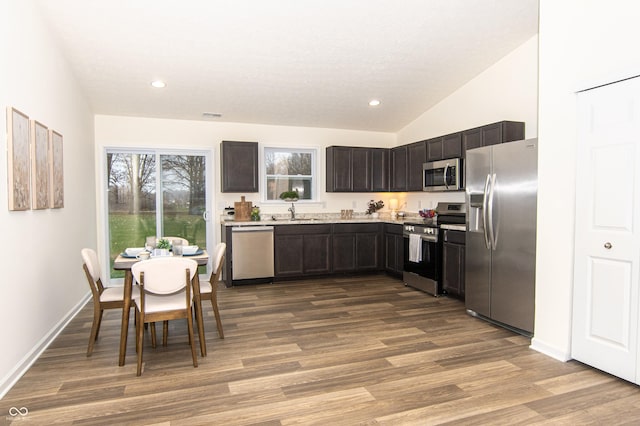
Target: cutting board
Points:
(242, 209)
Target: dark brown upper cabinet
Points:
(380, 169)
(452, 146)
(491, 134)
(348, 169)
(416, 157)
(361, 170)
(339, 173)
(443, 147)
(239, 166)
(399, 168)
(434, 149)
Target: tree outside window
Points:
(290, 170)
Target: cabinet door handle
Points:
(608, 245)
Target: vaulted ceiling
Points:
(284, 62)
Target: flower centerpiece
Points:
(290, 196)
(373, 207)
(163, 243)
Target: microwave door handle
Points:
(485, 199)
(444, 176)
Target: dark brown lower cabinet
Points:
(394, 249)
(343, 252)
(323, 249)
(315, 251)
(288, 255)
(453, 258)
(302, 250)
(357, 247)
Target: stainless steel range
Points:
(423, 247)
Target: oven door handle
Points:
(485, 203)
(426, 238)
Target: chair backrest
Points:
(218, 257)
(92, 271)
(185, 242)
(90, 258)
(164, 275)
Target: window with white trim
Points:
(290, 169)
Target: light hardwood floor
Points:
(335, 351)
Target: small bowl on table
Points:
(189, 250)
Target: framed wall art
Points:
(18, 164)
(39, 166)
(56, 176)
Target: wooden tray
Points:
(243, 209)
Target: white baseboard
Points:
(27, 361)
(550, 350)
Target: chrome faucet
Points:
(292, 209)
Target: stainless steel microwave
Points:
(443, 175)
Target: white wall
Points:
(113, 131)
(508, 90)
(582, 44)
(42, 280)
(505, 91)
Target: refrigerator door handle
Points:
(484, 212)
(490, 212)
(444, 176)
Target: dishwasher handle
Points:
(252, 229)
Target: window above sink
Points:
(289, 169)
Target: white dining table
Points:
(124, 263)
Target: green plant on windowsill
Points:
(290, 196)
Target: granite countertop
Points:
(310, 219)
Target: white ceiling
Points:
(285, 62)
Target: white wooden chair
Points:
(165, 294)
(103, 297)
(208, 289)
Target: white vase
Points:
(375, 215)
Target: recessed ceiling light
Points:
(374, 102)
(158, 84)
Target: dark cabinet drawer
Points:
(454, 237)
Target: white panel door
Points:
(605, 302)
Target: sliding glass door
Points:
(153, 193)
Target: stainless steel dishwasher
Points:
(252, 252)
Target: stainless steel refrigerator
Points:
(501, 191)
